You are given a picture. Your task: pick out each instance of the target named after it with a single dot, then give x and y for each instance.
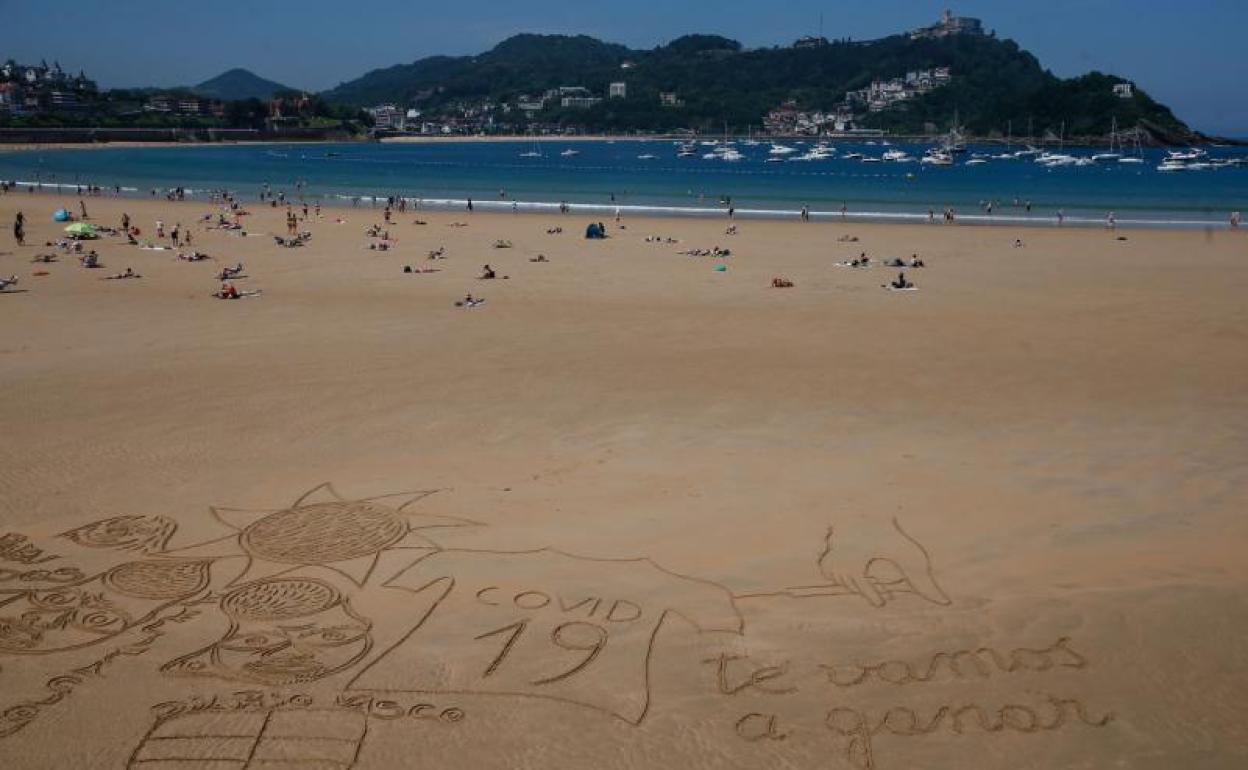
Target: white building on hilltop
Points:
(617, 90)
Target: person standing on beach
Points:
(1235, 220)
(1061, 217)
(19, 229)
(83, 206)
(470, 205)
(125, 222)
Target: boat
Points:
(780, 149)
(976, 162)
(895, 155)
(1194, 153)
(870, 159)
(1113, 138)
(533, 152)
(935, 157)
(852, 156)
(647, 156)
(570, 153)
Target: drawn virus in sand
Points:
(323, 529)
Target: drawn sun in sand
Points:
(323, 529)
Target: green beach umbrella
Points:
(80, 229)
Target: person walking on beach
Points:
(1235, 220)
(19, 229)
(470, 205)
(125, 222)
(83, 206)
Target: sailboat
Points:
(532, 153)
(1113, 137)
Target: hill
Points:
(237, 84)
(718, 81)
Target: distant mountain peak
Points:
(239, 83)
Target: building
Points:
(1124, 90)
(810, 41)
(579, 102)
(10, 97)
(949, 25)
(617, 90)
(388, 117)
(670, 99)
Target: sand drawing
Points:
(17, 548)
(148, 534)
(323, 529)
(90, 610)
(278, 737)
(861, 729)
(979, 662)
(875, 571)
(14, 718)
(539, 624)
(282, 631)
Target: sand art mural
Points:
(296, 630)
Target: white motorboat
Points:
(780, 149)
(570, 153)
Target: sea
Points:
(634, 177)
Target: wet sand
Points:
(654, 515)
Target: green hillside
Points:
(994, 82)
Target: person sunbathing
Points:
(194, 256)
(90, 260)
(127, 273)
(916, 262)
(227, 291)
(894, 262)
(44, 258)
(781, 283)
(230, 272)
(438, 253)
(410, 269)
(539, 258)
(469, 301)
(7, 282)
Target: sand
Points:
(630, 512)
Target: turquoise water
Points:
(606, 175)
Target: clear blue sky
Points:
(1192, 56)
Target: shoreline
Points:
(515, 207)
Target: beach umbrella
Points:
(60, 215)
(81, 229)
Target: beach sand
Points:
(630, 512)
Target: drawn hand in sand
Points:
(875, 568)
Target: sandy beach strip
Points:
(995, 521)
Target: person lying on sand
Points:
(732, 230)
(554, 231)
(469, 301)
(781, 283)
(502, 244)
(894, 262)
(90, 259)
(410, 269)
(847, 239)
(539, 258)
(419, 222)
(458, 224)
(44, 258)
(7, 282)
(230, 272)
(438, 253)
(227, 291)
(127, 273)
(916, 262)
(379, 246)
(194, 256)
